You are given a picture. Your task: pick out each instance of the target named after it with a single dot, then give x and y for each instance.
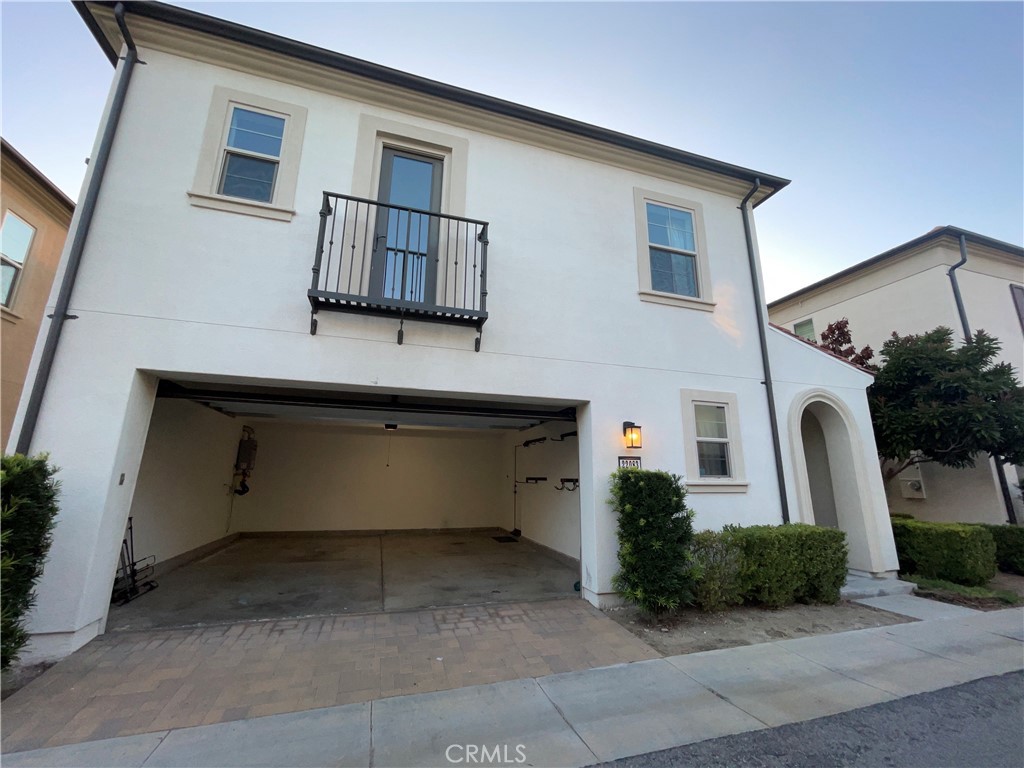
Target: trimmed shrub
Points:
(901, 516)
(1009, 547)
(717, 560)
(28, 506)
(790, 563)
(957, 552)
(655, 529)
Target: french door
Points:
(404, 261)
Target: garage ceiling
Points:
(363, 408)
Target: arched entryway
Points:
(831, 474)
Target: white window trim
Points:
(19, 278)
(376, 133)
(704, 301)
(204, 192)
(737, 483)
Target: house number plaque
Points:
(629, 462)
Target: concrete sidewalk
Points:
(581, 718)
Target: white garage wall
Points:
(548, 516)
(319, 477)
(182, 496)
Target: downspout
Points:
(956, 289)
(1004, 486)
(762, 335)
(88, 208)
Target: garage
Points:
(257, 503)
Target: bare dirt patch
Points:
(691, 631)
(1011, 582)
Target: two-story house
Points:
(431, 309)
(36, 216)
(913, 288)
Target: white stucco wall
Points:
(182, 292)
(324, 477)
(183, 497)
(546, 515)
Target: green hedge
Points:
(717, 560)
(964, 554)
(28, 506)
(768, 565)
(1009, 547)
(655, 529)
(793, 563)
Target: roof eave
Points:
(935, 234)
(265, 40)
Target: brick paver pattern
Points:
(135, 682)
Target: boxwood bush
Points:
(28, 506)
(790, 563)
(1009, 541)
(717, 560)
(655, 529)
(957, 552)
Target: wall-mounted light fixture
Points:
(390, 427)
(633, 435)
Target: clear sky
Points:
(890, 118)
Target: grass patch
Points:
(950, 591)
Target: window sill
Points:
(717, 486)
(9, 314)
(657, 297)
(237, 205)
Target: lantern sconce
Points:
(632, 433)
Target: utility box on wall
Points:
(912, 483)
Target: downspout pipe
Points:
(956, 289)
(88, 209)
(1004, 486)
(762, 334)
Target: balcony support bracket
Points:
(401, 330)
(312, 322)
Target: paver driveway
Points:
(137, 682)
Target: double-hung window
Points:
(249, 162)
(712, 446)
(252, 155)
(671, 251)
(712, 440)
(15, 241)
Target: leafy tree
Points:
(838, 340)
(933, 401)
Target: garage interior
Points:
(355, 502)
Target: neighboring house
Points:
(36, 216)
(604, 279)
(908, 290)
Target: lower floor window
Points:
(712, 440)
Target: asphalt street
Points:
(975, 725)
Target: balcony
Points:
(380, 259)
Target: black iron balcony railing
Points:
(382, 259)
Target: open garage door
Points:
(348, 502)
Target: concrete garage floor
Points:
(292, 576)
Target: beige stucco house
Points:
(36, 217)
(908, 289)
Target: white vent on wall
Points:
(912, 483)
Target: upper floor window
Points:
(1017, 291)
(15, 241)
(672, 259)
(805, 328)
(252, 155)
(249, 162)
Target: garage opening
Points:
(263, 503)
